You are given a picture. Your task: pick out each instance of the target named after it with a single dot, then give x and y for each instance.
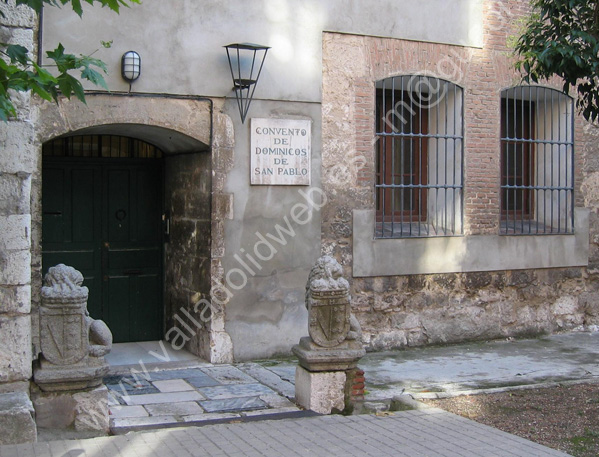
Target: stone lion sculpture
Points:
(64, 283)
(327, 274)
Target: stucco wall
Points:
(266, 314)
(181, 41)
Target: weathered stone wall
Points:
(187, 252)
(18, 169)
(396, 311)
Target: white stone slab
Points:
(140, 421)
(276, 401)
(185, 408)
(173, 397)
(127, 411)
(172, 385)
(322, 392)
(280, 152)
(269, 412)
(211, 417)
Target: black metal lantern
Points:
(245, 61)
(130, 66)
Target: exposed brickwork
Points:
(354, 388)
(413, 310)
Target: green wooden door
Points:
(103, 217)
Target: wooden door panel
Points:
(70, 233)
(146, 320)
(133, 249)
(117, 294)
(105, 220)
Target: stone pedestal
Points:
(81, 411)
(86, 374)
(342, 357)
(71, 366)
(322, 392)
(325, 377)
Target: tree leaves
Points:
(562, 39)
(76, 4)
(19, 72)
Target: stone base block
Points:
(84, 375)
(16, 419)
(83, 411)
(344, 356)
(322, 392)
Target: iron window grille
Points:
(537, 161)
(101, 147)
(419, 157)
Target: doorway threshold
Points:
(154, 355)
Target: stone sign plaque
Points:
(280, 152)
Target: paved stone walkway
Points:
(425, 433)
(157, 398)
(236, 405)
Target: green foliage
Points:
(20, 73)
(76, 4)
(561, 38)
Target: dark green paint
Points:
(103, 217)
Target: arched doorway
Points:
(102, 213)
(197, 144)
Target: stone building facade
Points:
(235, 257)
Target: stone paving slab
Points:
(154, 399)
(174, 397)
(176, 374)
(269, 378)
(235, 390)
(185, 408)
(172, 385)
(129, 411)
(430, 433)
(233, 404)
(228, 374)
(202, 381)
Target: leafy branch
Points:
(20, 73)
(561, 38)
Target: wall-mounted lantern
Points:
(245, 61)
(130, 66)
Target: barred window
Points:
(419, 157)
(537, 161)
(101, 146)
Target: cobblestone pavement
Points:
(422, 433)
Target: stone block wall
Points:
(18, 168)
(187, 252)
(397, 311)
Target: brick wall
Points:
(396, 311)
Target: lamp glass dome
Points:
(130, 66)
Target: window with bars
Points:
(537, 161)
(419, 157)
(101, 146)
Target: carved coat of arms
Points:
(63, 329)
(328, 303)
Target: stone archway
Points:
(198, 147)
